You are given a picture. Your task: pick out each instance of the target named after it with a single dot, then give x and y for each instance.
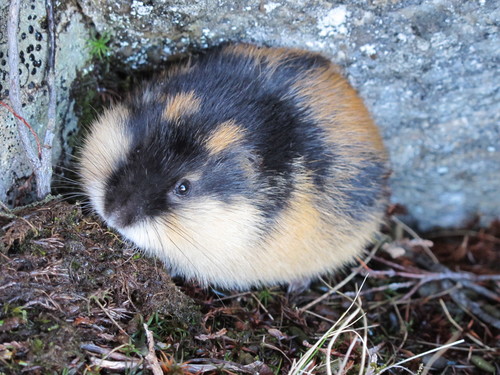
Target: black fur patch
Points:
(232, 87)
(365, 190)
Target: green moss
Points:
(266, 296)
(99, 46)
(37, 346)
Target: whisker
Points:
(72, 195)
(65, 183)
(182, 233)
(204, 251)
(177, 247)
(62, 176)
(67, 168)
(207, 251)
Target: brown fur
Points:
(226, 135)
(181, 105)
(349, 119)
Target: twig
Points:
(130, 364)
(421, 355)
(414, 234)
(6, 212)
(414, 290)
(432, 276)
(23, 120)
(465, 303)
(151, 358)
(108, 353)
(448, 315)
(382, 288)
(440, 352)
(14, 87)
(480, 343)
(395, 266)
(220, 365)
(4, 207)
(444, 273)
(355, 272)
(262, 306)
(481, 290)
(44, 177)
(96, 300)
(465, 232)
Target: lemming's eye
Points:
(182, 189)
(136, 151)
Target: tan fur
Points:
(177, 69)
(226, 135)
(313, 235)
(345, 121)
(106, 144)
(181, 105)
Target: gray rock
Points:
(428, 70)
(71, 55)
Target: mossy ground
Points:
(74, 300)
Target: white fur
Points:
(106, 144)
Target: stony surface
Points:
(427, 70)
(71, 55)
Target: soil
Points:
(76, 299)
